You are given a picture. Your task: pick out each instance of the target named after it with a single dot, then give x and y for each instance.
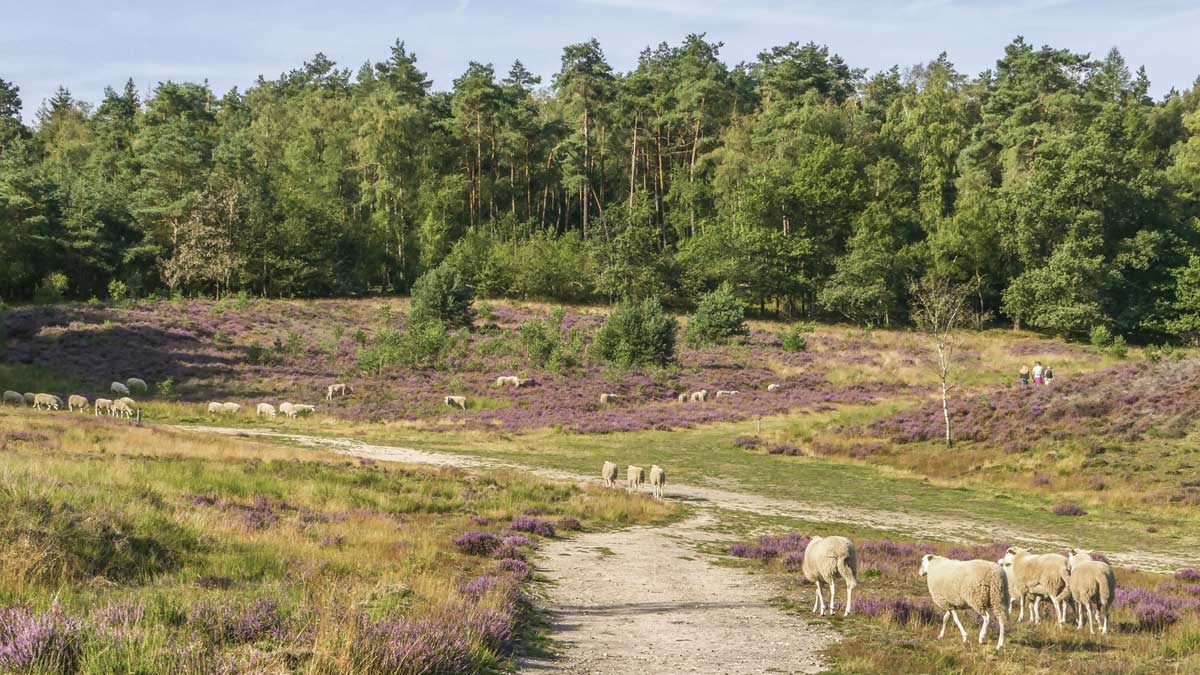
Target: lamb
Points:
(608, 473)
(265, 409)
(14, 397)
(29, 397)
(699, 396)
(634, 477)
(1039, 575)
(460, 401)
(50, 401)
(658, 480)
(340, 389)
(508, 379)
(119, 389)
(960, 584)
(723, 393)
(103, 404)
(287, 409)
(772, 387)
(1093, 587)
(136, 384)
(76, 401)
(121, 408)
(605, 399)
(824, 559)
(231, 407)
(215, 408)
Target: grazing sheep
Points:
(339, 389)
(121, 409)
(608, 473)
(658, 480)
(136, 384)
(699, 396)
(29, 397)
(265, 409)
(460, 401)
(826, 558)
(683, 398)
(287, 409)
(129, 403)
(723, 393)
(508, 379)
(1038, 575)
(119, 389)
(14, 397)
(76, 401)
(231, 407)
(605, 399)
(302, 409)
(50, 401)
(960, 584)
(772, 387)
(634, 477)
(215, 408)
(103, 404)
(1093, 587)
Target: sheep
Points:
(121, 408)
(723, 393)
(76, 401)
(772, 387)
(825, 558)
(699, 396)
(634, 477)
(231, 407)
(215, 408)
(50, 401)
(605, 399)
(119, 389)
(960, 584)
(29, 397)
(608, 473)
(508, 379)
(1038, 575)
(103, 404)
(136, 384)
(14, 397)
(460, 401)
(340, 389)
(287, 409)
(129, 403)
(682, 398)
(1093, 587)
(658, 480)
(302, 409)
(265, 409)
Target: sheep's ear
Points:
(1074, 551)
(1012, 549)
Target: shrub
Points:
(1069, 510)
(423, 345)
(51, 289)
(1156, 353)
(441, 295)
(719, 316)
(534, 525)
(477, 542)
(117, 291)
(1101, 337)
(637, 334)
(1118, 348)
(795, 338)
(545, 345)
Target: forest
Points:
(1053, 184)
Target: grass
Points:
(223, 553)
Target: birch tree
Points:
(940, 308)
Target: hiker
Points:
(1024, 376)
(1048, 375)
(1039, 373)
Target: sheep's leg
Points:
(1021, 602)
(1078, 615)
(817, 601)
(1091, 629)
(1000, 621)
(945, 617)
(987, 619)
(849, 598)
(1104, 618)
(1059, 611)
(1037, 610)
(832, 591)
(958, 623)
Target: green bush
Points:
(441, 296)
(1101, 337)
(545, 344)
(423, 345)
(795, 338)
(719, 316)
(637, 334)
(117, 290)
(1156, 353)
(1118, 347)
(51, 289)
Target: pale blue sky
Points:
(85, 45)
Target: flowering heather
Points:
(482, 521)
(535, 525)
(1154, 610)
(793, 560)
(769, 547)
(785, 449)
(747, 442)
(38, 641)
(477, 542)
(1187, 574)
(403, 646)
(518, 568)
(118, 616)
(212, 581)
(901, 611)
(519, 540)
(237, 624)
(334, 540)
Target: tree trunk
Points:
(633, 164)
(587, 173)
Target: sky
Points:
(86, 45)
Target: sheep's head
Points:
(924, 571)
(1013, 552)
(1077, 556)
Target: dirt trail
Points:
(923, 525)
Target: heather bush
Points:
(477, 542)
(747, 442)
(636, 334)
(39, 642)
(534, 525)
(1069, 510)
(719, 316)
(441, 296)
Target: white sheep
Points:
(1045, 575)
(215, 408)
(302, 409)
(605, 399)
(826, 558)
(608, 473)
(76, 401)
(49, 401)
(339, 389)
(772, 387)
(14, 397)
(460, 401)
(121, 408)
(29, 397)
(634, 477)
(961, 584)
(1093, 587)
(724, 392)
(103, 404)
(682, 398)
(509, 380)
(699, 396)
(265, 409)
(130, 404)
(658, 480)
(231, 407)
(136, 384)
(119, 389)
(287, 409)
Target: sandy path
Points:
(922, 525)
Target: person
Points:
(1024, 376)
(1038, 374)
(1048, 375)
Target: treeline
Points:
(1053, 184)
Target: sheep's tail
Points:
(848, 567)
(998, 588)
